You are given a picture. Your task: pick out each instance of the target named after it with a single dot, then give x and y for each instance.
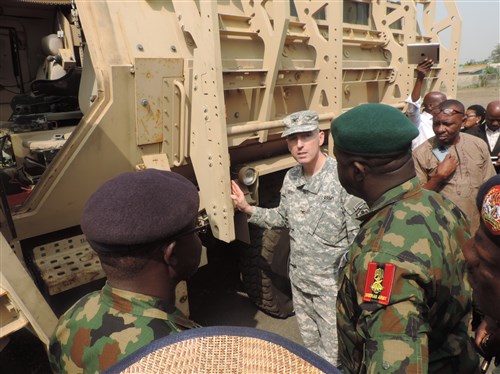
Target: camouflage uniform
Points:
(318, 212)
(105, 326)
(425, 325)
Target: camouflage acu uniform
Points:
(318, 212)
(424, 326)
(105, 326)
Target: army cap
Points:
(373, 130)
(135, 209)
(304, 121)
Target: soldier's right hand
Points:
(238, 197)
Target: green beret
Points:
(137, 209)
(373, 130)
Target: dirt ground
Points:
(481, 95)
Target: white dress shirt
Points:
(422, 120)
(492, 137)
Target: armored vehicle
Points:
(90, 89)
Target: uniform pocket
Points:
(329, 227)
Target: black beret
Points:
(138, 208)
(373, 130)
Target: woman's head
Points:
(475, 115)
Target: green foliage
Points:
(495, 54)
(494, 58)
(474, 62)
(490, 70)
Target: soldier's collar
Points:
(393, 195)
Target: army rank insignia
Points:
(378, 284)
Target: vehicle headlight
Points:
(247, 175)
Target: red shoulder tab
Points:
(378, 284)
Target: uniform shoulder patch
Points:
(378, 283)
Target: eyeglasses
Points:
(471, 115)
(450, 111)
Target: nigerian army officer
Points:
(482, 254)
(404, 302)
(142, 225)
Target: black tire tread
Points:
(267, 288)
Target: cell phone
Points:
(417, 52)
(440, 152)
(494, 158)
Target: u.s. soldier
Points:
(320, 216)
(142, 226)
(404, 303)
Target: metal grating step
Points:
(67, 263)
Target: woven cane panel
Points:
(222, 354)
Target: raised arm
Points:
(415, 101)
(422, 70)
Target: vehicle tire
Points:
(264, 271)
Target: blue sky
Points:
(480, 28)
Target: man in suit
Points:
(490, 132)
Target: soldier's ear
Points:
(359, 171)
(168, 254)
(321, 138)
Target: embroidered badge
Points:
(378, 284)
(490, 212)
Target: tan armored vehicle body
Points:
(95, 88)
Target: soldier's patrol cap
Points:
(304, 121)
(488, 205)
(373, 130)
(139, 209)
